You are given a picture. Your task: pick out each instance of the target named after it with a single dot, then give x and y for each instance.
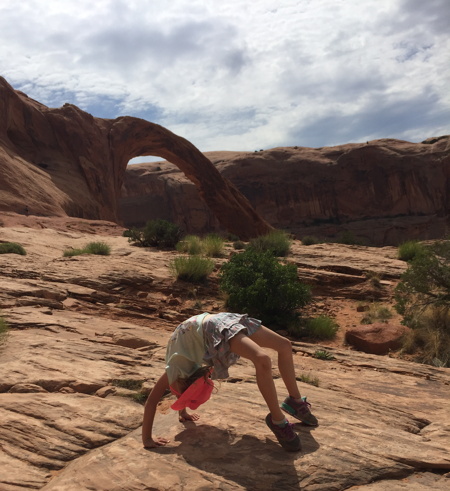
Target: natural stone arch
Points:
(64, 161)
(134, 137)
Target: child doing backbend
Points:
(209, 344)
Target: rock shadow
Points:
(244, 459)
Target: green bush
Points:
(348, 238)
(409, 250)
(191, 244)
(194, 269)
(310, 240)
(321, 327)
(3, 330)
(98, 248)
(429, 340)
(423, 299)
(213, 245)
(277, 242)
(323, 355)
(238, 245)
(12, 248)
(258, 284)
(156, 233)
(376, 313)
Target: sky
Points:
(239, 74)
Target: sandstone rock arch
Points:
(64, 161)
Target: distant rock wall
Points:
(65, 162)
(382, 192)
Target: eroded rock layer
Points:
(382, 191)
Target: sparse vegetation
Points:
(98, 248)
(258, 284)
(347, 237)
(130, 384)
(4, 329)
(156, 233)
(12, 248)
(238, 245)
(423, 299)
(191, 244)
(323, 355)
(277, 242)
(310, 240)
(321, 327)
(409, 250)
(309, 379)
(194, 269)
(376, 313)
(213, 245)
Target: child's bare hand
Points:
(185, 416)
(156, 442)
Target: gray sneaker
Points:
(299, 410)
(287, 437)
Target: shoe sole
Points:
(290, 410)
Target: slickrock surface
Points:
(65, 162)
(383, 191)
(86, 331)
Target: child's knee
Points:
(286, 345)
(263, 362)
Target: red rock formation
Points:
(377, 339)
(66, 162)
(384, 191)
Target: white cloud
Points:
(239, 74)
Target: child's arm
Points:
(149, 413)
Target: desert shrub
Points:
(376, 313)
(213, 245)
(238, 245)
(423, 299)
(99, 248)
(127, 233)
(323, 355)
(348, 238)
(156, 233)
(310, 379)
(277, 242)
(409, 250)
(161, 233)
(191, 244)
(374, 278)
(321, 327)
(310, 240)
(258, 284)
(429, 340)
(12, 248)
(3, 330)
(194, 269)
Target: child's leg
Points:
(243, 346)
(266, 338)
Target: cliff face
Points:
(382, 191)
(57, 162)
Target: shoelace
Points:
(287, 431)
(303, 406)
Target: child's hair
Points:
(184, 383)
